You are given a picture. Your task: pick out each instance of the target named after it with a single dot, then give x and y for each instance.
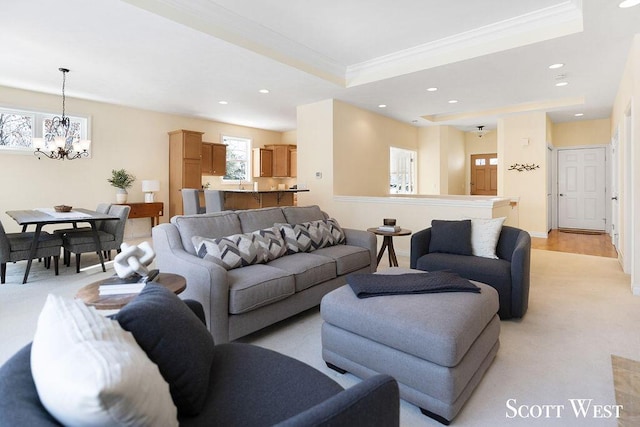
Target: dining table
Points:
(47, 216)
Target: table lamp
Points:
(148, 188)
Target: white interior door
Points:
(581, 189)
(615, 206)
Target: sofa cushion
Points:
(300, 214)
(238, 250)
(212, 226)
(272, 243)
(308, 269)
(167, 342)
(257, 285)
(348, 258)
(307, 236)
(90, 371)
(257, 219)
(485, 233)
(451, 237)
(337, 233)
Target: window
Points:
(403, 171)
(19, 127)
(238, 158)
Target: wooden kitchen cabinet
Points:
(293, 152)
(262, 162)
(281, 159)
(214, 159)
(185, 158)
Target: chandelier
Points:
(61, 141)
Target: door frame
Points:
(607, 184)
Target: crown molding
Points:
(544, 24)
(212, 19)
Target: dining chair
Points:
(17, 247)
(110, 234)
(191, 202)
(213, 200)
(101, 208)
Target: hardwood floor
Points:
(587, 244)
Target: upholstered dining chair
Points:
(17, 247)
(110, 233)
(191, 202)
(213, 200)
(101, 208)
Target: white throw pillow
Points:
(90, 372)
(485, 233)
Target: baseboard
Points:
(635, 289)
(539, 234)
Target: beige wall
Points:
(429, 160)
(315, 153)
(529, 186)
(625, 121)
(585, 132)
(361, 143)
(441, 160)
(456, 164)
(122, 137)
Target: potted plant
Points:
(121, 179)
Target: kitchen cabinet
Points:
(281, 159)
(293, 152)
(185, 158)
(262, 162)
(214, 159)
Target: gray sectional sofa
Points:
(238, 301)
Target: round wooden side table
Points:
(90, 293)
(387, 243)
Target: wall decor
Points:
(523, 167)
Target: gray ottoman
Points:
(437, 346)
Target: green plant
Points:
(121, 179)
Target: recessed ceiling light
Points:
(556, 66)
(629, 3)
(382, 106)
(264, 91)
(579, 114)
(562, 84)
(432, 89)
(222, 102)
(453, 101)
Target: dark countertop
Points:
(262, 191)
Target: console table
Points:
(153, 210)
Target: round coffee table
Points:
(387, 243)
(90, 294)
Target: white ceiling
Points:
(184, 56)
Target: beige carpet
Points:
(581, 311)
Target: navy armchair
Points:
(244, 385)
(509, 274)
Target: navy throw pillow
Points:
(451, 237)
(176, 340)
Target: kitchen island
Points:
(251, 199)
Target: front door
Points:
(484, 174)
(581, 189)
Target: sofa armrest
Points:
(520, 274)
(419, 246)
(372, 402)
(206, 282)
(364, 239)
